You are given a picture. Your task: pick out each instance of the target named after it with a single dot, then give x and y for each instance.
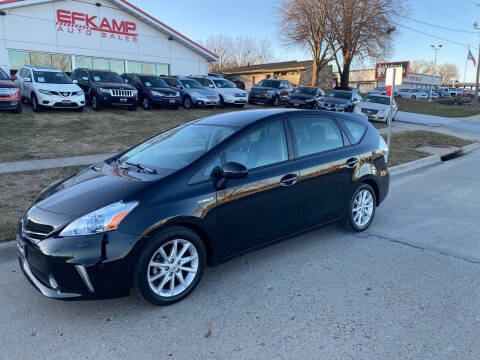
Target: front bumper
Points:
(261, 98)
(9, 104)
(166, 101)
(331, 108)
(235, 100)
(79, 267)
(58, 102)
(205, 102)
(106, 100)
(301, 103)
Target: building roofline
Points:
(4, 4)
(260, 68)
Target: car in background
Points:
(305, 97)
(192, 92)
(150, 219)
(10, 97)
(466, 92)
(47, 87)
(378, 90)
(412, 94)
(153, 91)
(215, 75)
(238, 83)
(339, 100)
(228, 93)
(270, 92)
(377, 108)
(442, 93)
(451, 90)
(432, 94)
(104, 88)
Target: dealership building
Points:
(101, 34)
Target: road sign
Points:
(381, 69)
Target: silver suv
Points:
(227, 91)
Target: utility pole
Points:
(475, 98)
(434, 69)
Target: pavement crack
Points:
(420, 247)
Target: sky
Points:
(200, 19)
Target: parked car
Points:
(442, 93)
(10, 97)
(152, 217)
(215, 75)
(153, 91)
(47, 87)
(377, 108)
(339, 100)
(434, 94)
(451, 90)
(378, 90)
(192, 92)
(105, 88)
(412, 94)
(238, 83)
(270, 91)
(305, 97)
(466, 92)
(227, 91)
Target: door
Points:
(263, 206)
(325, 178)
(27, 84)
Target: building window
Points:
(101, 64)
(118, 66)
(40, 59)
(17, 59)
(163, 69)
(63, 62)
(83, 62)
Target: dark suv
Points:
(270, 91)
(105, 88)
(153, 91)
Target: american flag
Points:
(470, 57)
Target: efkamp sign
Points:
(381, 69)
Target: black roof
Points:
(240, 118)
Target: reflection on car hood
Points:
(331, 100)
(204, 92)
(94, 188)
(59, 87)
(375, 106)
(7, 84)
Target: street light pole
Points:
(475, 98)
(434, 68)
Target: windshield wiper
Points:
(139, 167)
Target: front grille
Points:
(64, 94)
(240, 95)
(121, 93)
(369, 111)
(5, 91)
(33, 231)
(214, 98)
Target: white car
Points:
(377, 108)
(412, 94)
(227, 91)
(49, 88)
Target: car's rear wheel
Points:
(187, 103)
(169, 266)
(361, 209)
(95, 104)
(414, 97)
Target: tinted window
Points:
(269, 83)
(206, 172)
(178, 147)
(340, 95)
(150, 81)
(50, 77)
(223, 83)
(314, 134)
(3, 75)
(263, 146)
(355, 130)
(106, 76)
(305, 90)
(171, 81)
(378, 100)
(191, 84)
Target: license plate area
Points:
(123, 100)
(172, 101)
(66, 102)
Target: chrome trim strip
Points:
(42, 288)
(84, 275)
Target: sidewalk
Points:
(30, 165)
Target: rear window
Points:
(355, 130)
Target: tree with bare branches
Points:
(220, 45)
(363, 28)
(306, 23)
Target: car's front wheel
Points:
(35, 106)
(169, 266)
(361, 209)
(146, 103)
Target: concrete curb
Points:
(469, 148)
(32, 165)
(414, 165)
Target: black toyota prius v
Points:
(151, 218)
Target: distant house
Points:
(297, 72)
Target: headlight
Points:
(135, 92)
(78, 93)
(13, 91)
(102, 220)
(157, 93)
(103, 90)
(45, 92)
(177, 94)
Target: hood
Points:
(374, 106)
(7, 84)
(204, 92)
(332, 100)
(263, 88)
(301, 96)
(58, 87)
(110, 85)
(95, 187)
(164, 90)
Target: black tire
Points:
(140, 282)
(18, 110)
(187, 102)
(133, 107)
(251, 102)
(221, 103)
(414, 97)
(275, 101)
(95, 104)
(35, 106)
(146, 103)
(348, 221)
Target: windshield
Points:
(222, 84)
(106, 76)
(191, 84)
(172, 82)
(305, 90)
(340, 95)
(3, 75)
(151, 81)
(377, 100)
(51, 77)
(178, 147)
(269, 83)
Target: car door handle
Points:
(352, 162)
(289, 180)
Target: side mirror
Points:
(75, 81)
(13, 78)
(233, 170)
(211, 86)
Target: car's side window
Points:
(315, 134)
(263, 146)
(206, 172)
(355, 130)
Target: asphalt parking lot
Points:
(408, 288)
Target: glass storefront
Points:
(18, 58)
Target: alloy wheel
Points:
(187, 103)
(362, 208)
(173, 268)
(146, 103)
